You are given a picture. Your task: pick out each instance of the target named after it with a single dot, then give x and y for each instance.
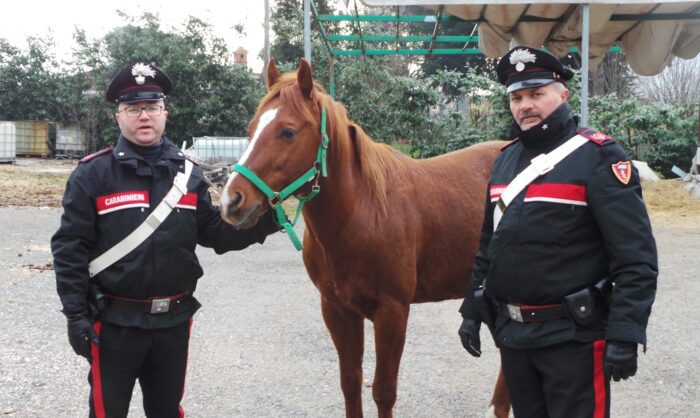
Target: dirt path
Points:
(260, 348)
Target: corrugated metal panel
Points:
(7, 142)
(32, 138)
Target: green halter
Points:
(276, 198)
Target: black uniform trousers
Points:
(561, 381)
(156, 357)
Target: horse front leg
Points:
(390, 334)
(347, 331)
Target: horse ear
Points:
(272, 73)
(354, 132)
(305, 79)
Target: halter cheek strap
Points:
(276, 198)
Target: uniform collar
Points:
(124, 152)
(549, 132)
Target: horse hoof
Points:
(491, 413)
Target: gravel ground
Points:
(260, 348)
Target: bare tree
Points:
(678, 83)
(613, 75)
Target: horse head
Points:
(284, 150)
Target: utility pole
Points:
(267, 41)
(307, 30)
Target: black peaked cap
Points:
(139, 82)
(524, 67)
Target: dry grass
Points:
(669, 203)
(34, 182)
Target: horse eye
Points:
(288, 133)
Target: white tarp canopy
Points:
(649, 45)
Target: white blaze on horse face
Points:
(265, 119)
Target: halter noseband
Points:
(276, 198)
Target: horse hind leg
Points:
(347, 331)
(500, 401)
(390, 334)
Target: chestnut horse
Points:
(384, 232)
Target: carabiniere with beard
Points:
(566, 272)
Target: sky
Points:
(22, 18)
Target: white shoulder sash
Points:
(539, 165)
(139, 235)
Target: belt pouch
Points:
(581, 307)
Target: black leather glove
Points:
(81, 335)
(620, 359)
(469, 334)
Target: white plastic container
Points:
(71, 142)
(8, 139)
(215, 149)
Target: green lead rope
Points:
(276, 198)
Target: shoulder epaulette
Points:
(97, 154)
(510, 143)
(595, 136)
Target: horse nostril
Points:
(235, 202)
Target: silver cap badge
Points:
(140, 71)
(519, 57)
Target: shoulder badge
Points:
(96, 154)
(595, 136)
(510, 143)
(623, 171)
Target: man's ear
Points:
(564, 95)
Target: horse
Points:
(384, 230)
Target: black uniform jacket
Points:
(565, 231)
(109, 195)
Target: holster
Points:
(603, 289)
(487, 309)
(96, 300)
(589, 304)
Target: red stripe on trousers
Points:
(189, 333)
(599, 379)
(99, 403)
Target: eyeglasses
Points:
(135, 111)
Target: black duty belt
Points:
(156, 305)
(533, 313)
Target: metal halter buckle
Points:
(274, 200)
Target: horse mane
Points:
(378, 163)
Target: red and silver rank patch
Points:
(623, 171)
